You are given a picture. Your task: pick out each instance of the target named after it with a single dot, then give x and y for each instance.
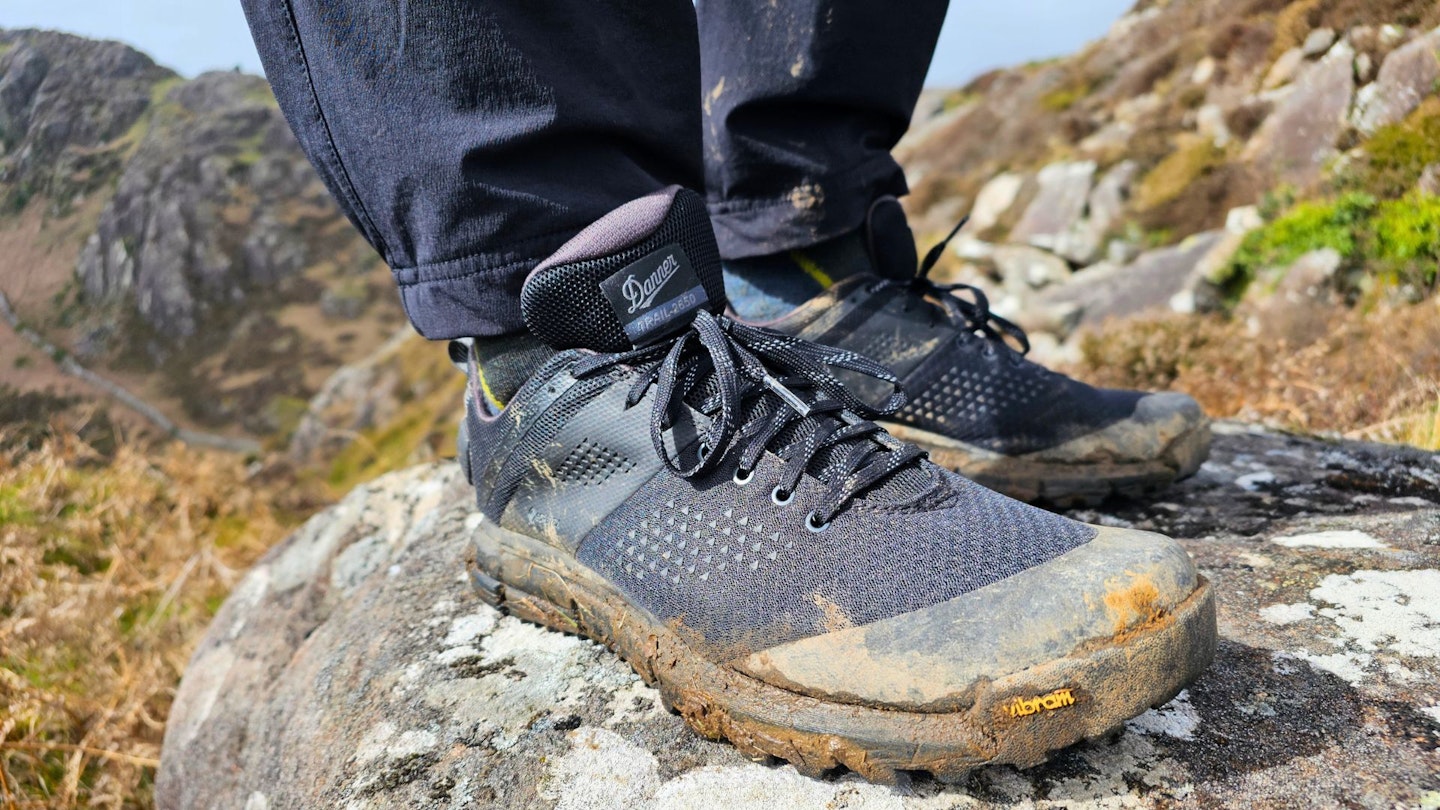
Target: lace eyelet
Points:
(705, 449)
(740, 480)
(814, 526)
(775, 496)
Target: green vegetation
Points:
(1392, 242)
(1404, 239)
(1396, 155)
(1063, 98)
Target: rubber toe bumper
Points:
(1166, 439)
(934, 659)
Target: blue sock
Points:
(763, 288)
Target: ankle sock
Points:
(763, 288)
(505, 363)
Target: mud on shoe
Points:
(709, 500)
(976, 403)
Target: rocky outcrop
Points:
(1058, 204)
(1407, 76)
(1164, 279)
(353, 667)
(66, 105)
(1299, 137)
(216, 203)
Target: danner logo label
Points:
(656, 294)
(641, 294)
(1024, 707)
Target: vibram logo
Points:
(1022, 707)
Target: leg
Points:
(803, 102)
(468, 140)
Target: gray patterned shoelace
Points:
(725, 364)
(974, 315)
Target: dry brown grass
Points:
(109, 572)
(1373, 375)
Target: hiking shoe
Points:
(976, 403)
(707, 499)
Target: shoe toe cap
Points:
(1118, 584)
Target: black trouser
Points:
(468, 139)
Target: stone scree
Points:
(353, 668)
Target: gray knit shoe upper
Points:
(975, 401)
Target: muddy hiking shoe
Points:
(976, 403)
(710, 501)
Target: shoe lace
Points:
(974, 315)
(727, 365)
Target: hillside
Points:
(1236, 198)
(169, 235)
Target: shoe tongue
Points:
(890, 242)
(635, 277)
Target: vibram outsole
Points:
(1018, 719)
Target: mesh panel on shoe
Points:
(738, 573)
(1006, 404)
(592, 464)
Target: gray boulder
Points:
(1298, 138)
(1158, 281)
(1024, 268)
(994, 200)
(1283, 71)
(1407, 76)
(1058, 205)
(353, 667)
(1084, 242)
(1294, 304)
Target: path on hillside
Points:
(119, 393)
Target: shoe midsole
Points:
(1016, 719)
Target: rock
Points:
(1064, 189)
(1210, 123)
(1148, 284)
(994, 200)
(1407, 76)
(1294, 304)
(1429, 182)
(66, 105)
(1296, 141)
(1024, 268)
(1121, 251)
(1111, 139)
(353, 667)
(216, 204)
(1244, 219)
(1318, 42)
(971, 249)
(1103, 209)
(1364, 69)
(354, 398)
(1204, 70)
(1284, 70)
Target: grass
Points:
(1193, 157)
(1395, 156)
(423, 428)
(110, 569)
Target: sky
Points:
(193, 36)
